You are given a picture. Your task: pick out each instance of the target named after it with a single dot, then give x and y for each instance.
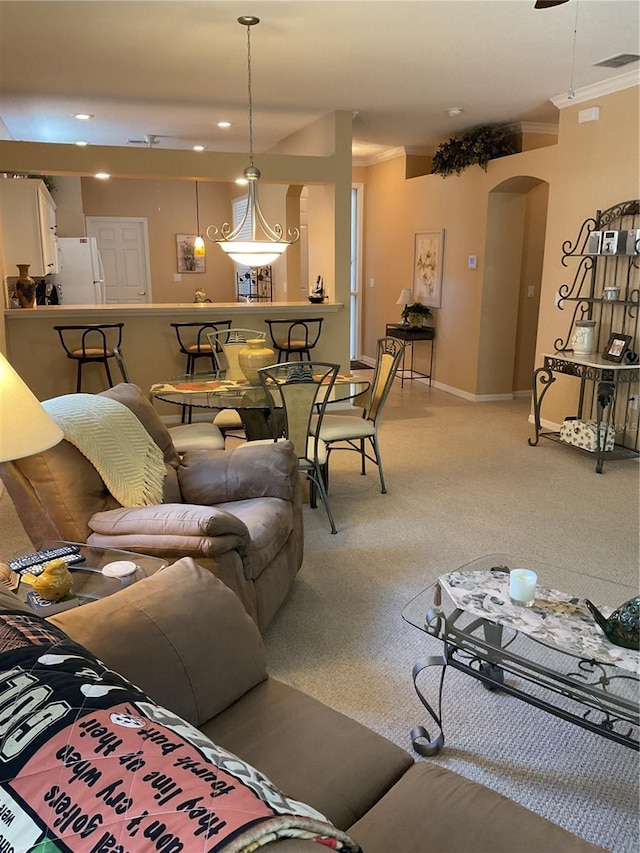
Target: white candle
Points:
(522, 586)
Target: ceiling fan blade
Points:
(548, 4)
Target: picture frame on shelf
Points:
(617, 346)
(188, 261)
(428, 253)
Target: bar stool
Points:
(95, 343)
(200, 346)
(294, 337)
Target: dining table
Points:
(215, 391)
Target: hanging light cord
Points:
(250, 100)
(197, 212)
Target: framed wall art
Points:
(188, 261)
(427, 267)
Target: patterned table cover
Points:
(556, 619)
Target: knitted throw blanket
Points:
(115, 442)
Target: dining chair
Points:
(350, 432)
(91, 343)
(301, 390)
(192, 343)
(295, 337)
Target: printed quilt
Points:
(89, 764)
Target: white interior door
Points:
(124, 248)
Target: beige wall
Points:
(170, 208)
(593, 166)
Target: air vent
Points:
(618, 61)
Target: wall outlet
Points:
(472, 263)
(531, 291)
(371, 282)
(633, 402)
(177, 276)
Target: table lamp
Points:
(25, 427)
(404, 299)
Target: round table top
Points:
(214, 391)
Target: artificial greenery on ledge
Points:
(476, 147)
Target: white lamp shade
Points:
(25, 427)
(405, 297)
(253, 253)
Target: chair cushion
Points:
(336, 427)
(321, 450)
(92, 352)
(198, 436)
(202, 348)
(228, 419)
(269, 522)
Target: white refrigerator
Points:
(80, 280)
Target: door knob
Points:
(142, 293)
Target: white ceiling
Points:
(174, 69)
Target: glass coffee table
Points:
(551, 655)
(89, 581)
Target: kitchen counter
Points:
(149, 344)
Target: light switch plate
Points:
(473, 262)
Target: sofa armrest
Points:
(180, 635)
(198, 530)
(261, 471)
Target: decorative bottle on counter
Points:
(25, 287)
(255, 355)
(584, 337)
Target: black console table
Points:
(410, 334)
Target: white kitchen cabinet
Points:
(28, 214)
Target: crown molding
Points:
(378, 157)
(533, 127)
(597, 90)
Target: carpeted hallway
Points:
(462, 482)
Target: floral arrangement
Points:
(416, 308)
(478, 146)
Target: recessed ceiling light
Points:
(455, 111)
(83, 116)
(198, 147)
(224, 124)
(82, 144)
(102, 175)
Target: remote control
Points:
(34, 563)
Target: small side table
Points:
(410, 334)
(89, 584)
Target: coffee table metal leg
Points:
(419, 734)
(493, 673)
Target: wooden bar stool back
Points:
(94, 343)
(193, 342)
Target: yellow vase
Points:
(255, 355)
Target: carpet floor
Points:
(462, 482)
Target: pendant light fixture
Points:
(266, 243)
(198, 243)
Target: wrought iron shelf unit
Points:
(254, 285)
(608, 391)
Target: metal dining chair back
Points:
(226, 345)
(347, 432)
(295, 337)
(302, 389)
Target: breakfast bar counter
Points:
(149, 344)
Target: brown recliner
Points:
(238, 514)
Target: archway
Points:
(514, 252)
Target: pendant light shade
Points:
(198, 243)
(266, 242)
